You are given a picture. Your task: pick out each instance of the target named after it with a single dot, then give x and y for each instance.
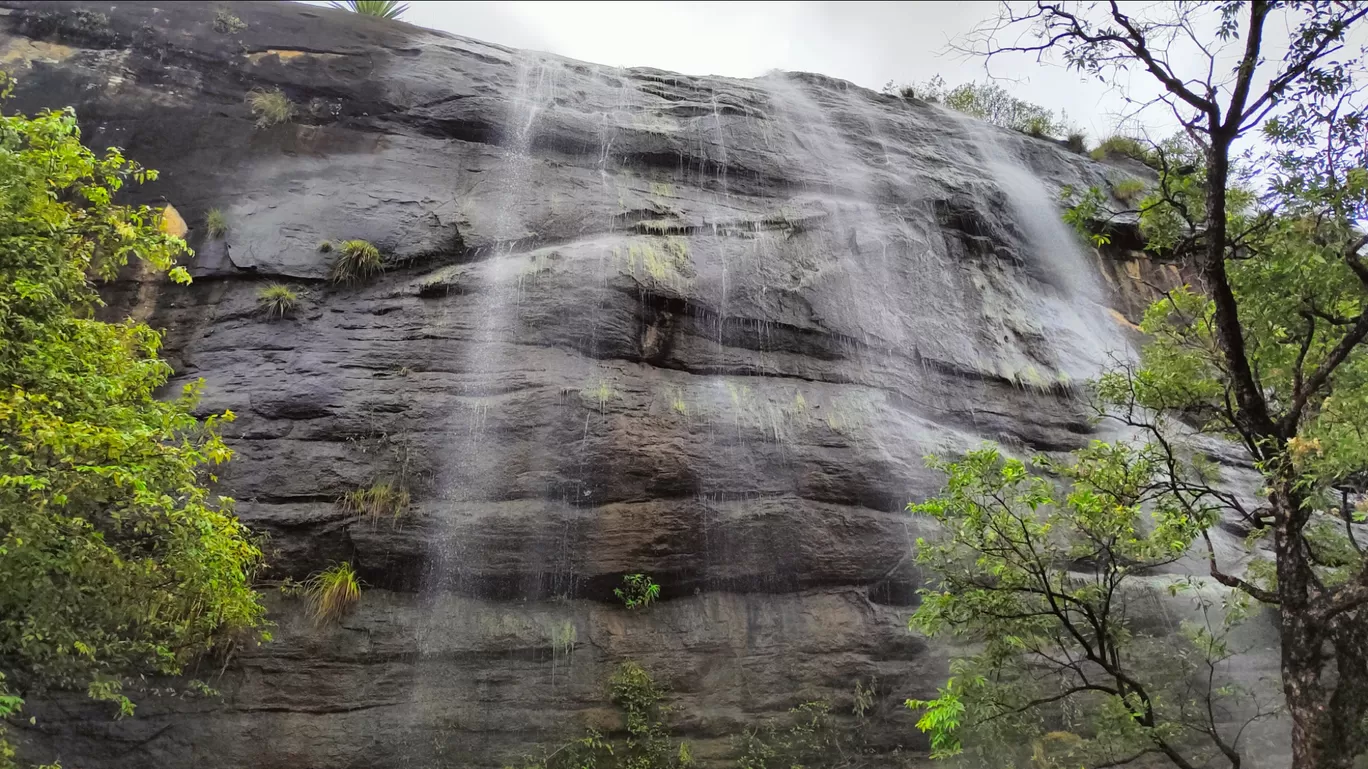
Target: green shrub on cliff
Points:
(116, 560)
(638, 591)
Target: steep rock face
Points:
(632, 321)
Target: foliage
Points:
(638, 591)
(271, 107)
(645, 741)
(332, 593)
(116, 560)
(1077, 141)
(382, 500)
(216, 223)
(1041, 581)
(992, 103)
(807, 738)
(325, 246)
(384, 9)
(356, 260)
(227, 23)
(277, 300)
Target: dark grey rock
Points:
(632, 321)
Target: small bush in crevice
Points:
(216, 223)
(1077, 142)
(325, 246)
(356, 260)
(638, 591)
(332, 593)
(277, 301)
(381, 501)
(271, 107)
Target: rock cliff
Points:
(631, 321)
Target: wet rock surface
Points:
(632, 321)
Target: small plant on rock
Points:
(325, 246)
(384, 9)
(1128, 190)
(638, 591)
(277, 301)
(382, 500)
(216, 223)
(332, 593)
(271, 107)
(226, 23)
(1077, 142)
(356, 260)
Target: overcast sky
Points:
(866, 43)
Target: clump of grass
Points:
(332, 593)
(325, 246)
(271, 107)
(1077, 142)
(356, 260)
(1128, 190)
(216, 223)
(1120, 144)
(277, 300)
(226, 23)
(382, 500)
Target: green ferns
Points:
(638, 591)
(271, 107)
(382, 500)
(277, 301)
(356, 260)
(332, 593)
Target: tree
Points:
(116, 559)
(1068, 672)
(1268, 349)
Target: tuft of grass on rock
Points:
(216, 223)
(380, 501)
(332, 593)
(277, 301)
(1128, 190)
(271, 107)
(356, 260)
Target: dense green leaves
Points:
(116, 559)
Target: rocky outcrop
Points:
(631, 321)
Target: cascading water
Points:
(1083, 335)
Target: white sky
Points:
(867, 43)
